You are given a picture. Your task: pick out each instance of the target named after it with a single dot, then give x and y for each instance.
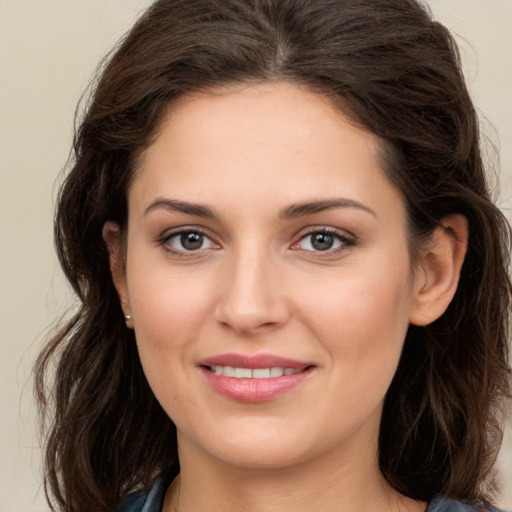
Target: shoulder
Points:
(446, 505)
(147, 501)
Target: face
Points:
(268, 276)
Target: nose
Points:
(252, 297)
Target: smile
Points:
(256, 373)
(254, 379)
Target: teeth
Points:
(261, 373)
(257, 373)
(276, 372)
(229, 371)
(243, 373)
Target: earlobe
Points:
(439, 270)
(112, 237)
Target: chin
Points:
(252, 448)
(254, 457)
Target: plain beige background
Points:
(48, 51)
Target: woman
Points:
(293, 283)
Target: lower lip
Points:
(254, 390)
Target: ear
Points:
(113, 240)
(438, 271)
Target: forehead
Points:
(275, 138)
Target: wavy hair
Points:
(393, 70)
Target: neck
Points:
(208, 485)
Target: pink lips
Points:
(253, 390)
(259, 361)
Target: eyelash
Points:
(344, 240)
(164, 241)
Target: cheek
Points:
(169, 315)
(169, 310)
(362, 319)
(361, 325)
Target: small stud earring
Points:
(129, 321)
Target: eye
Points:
(323, 241)
(187, 241)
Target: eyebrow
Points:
(293, 211)
(173, 205)
(311, 207)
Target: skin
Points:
(258, 285)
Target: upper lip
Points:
(252, 362)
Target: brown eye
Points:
(191, 241)
(187, 241)
(322, 241)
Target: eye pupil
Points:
(191, 241)
(322, 241)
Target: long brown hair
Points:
(394, 71)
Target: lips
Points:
(254, 379)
